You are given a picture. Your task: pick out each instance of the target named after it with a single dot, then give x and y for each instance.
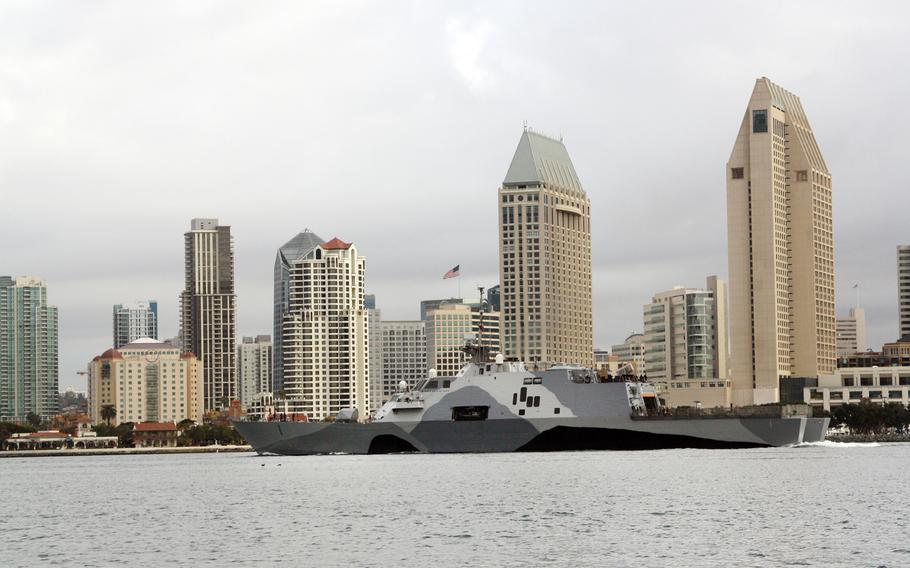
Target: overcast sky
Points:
(392, 124)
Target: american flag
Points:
(452, 273)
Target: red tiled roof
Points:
(154, 427)
(111, 354)
(336, 244)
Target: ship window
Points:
(536, 401)
(527, 380)
(514, 398)
(470, 413)
(524, 394)
(521, 411)
(530, 401)
(537, 380)
(432, 385)
(446, 384)
(556, 410)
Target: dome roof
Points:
(111, 354)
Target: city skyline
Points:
(463, 121)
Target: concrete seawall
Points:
(123, 451)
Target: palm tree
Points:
(108, 413)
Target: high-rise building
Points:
(493, 298)
(325, 343)
(545, 257)
(145, 381)
(374, 318)
(254, 367)
(781, 249)
(28, 350)
(685, 334)
(450, 325)
(631, 353)
(403, 356)
(135, 320)
(903, 288)
(295, 249)
(851, 333)
(207, 309)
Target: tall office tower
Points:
(374, 319)
(325, 342)
(254, 367)
(207, 309)
(293, 250)
(451, 325)
(903, 288)
(135, 320)
(781, 249)
(28, 350)
(686, 335)
(404, 356)
(545, 257)
(851, 333)
(145, 381)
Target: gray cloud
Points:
(393, 124)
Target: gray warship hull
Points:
(518, 435)
(502, 407)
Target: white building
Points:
(851, 333)
(403, 348)
(451, 326)
(254, 365)
(325, 339)
(135, 320)
(374, 318)
(145, 381)
(854, 384)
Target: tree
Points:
(33, 419)
(108, 413)
(185, 423)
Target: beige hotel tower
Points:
(545, 257)
(781, 249)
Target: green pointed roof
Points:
(540, 159)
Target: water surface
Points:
(825, 505)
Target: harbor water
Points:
(823, 505)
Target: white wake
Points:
(833, 444)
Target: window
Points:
(802, 175)
(524, 394)
(536, 401)
(521, 411)
(514, 398)
(556, 410)
(759, 121)
(737, 173)
(470, 413)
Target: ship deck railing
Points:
(764, 411)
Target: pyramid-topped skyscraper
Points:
(545, 257)
(781, 249)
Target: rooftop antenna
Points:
(524, 124)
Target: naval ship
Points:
(500, 406)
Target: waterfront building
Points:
(135, 320)
(493, 298)
(545, 257)
(851, 333)
(631, 353)
(145, 381)
(903, 289)
(207, 309)
(781, 249)
(685, 342)
(374, 319)
(28, 350)
(155, 435)
(403, 347)
(325, 343)
(254, 367)
(855, 384)
(293, 250)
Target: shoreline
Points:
(123, 451)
